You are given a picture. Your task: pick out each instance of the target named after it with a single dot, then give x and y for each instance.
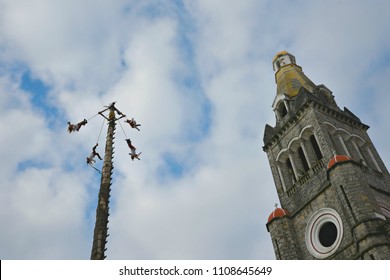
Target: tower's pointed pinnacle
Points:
(289, 77)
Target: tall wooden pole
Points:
(102, 210)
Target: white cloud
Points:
(66, 43)
(43, 215)
(43, 206)
(174, 75)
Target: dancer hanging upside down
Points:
(71, 127)
(133, 123)
(80, 124)
(90, 159)
(76, 127)
(130, 145)
(133, 153)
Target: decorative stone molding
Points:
(324, 233)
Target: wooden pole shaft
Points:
(102, 210)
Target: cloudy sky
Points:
(198, 76)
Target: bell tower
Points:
(333, 186)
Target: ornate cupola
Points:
(289, 79)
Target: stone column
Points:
(293, 166)
(358, 152)
(306, 154)
(281, 177)
(373, 160)
(343, 145)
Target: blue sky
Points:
(198, 76)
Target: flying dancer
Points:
(133, 123)
(76, 127)
(91, 159)
(133, 152)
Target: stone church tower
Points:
(333, 186)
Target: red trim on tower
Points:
(277, 213)
(337, 158)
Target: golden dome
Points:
(289, 76)
(279, 54)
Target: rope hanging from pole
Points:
(93, 116)
(95, 168)
(97, 141)
(123, 130)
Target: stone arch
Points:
(295, 142)
(338, 137)
(306, 132)
(280, 107)
(294, 160)
(361, 149)
(282, 155)
(359, 140)
(347, 135)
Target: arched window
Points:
(291, 171)
(282, 110)
(316, 148)
(303, 159)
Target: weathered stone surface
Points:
(358, 190)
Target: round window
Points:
(328, 234)
(324, 233)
